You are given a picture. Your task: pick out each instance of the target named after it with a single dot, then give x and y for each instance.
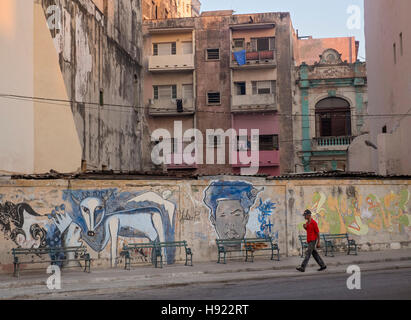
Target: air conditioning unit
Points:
(179, 103)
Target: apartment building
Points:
(388, 48)
(330, 103)
(223, 71)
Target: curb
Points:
(264, 276)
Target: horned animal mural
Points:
(103, 216)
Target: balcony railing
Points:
(333, 141)
(169, 106)
(254, 102)
(181, 62)
(257, 57)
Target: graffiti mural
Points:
(229, 204)
(96, 218)
(359, 214)
(265, 210)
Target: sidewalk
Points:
(32, 285)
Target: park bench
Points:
(304, 244)
(260, 244)
(172, 244)
(228, 245)
(131, 248)
(332, 241)
(52, 255)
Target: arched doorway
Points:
(333, 118)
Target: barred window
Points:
(213, 98)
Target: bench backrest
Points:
(329, 236)
(132, 246)
(172, 244)
(228, 242)
(47, 250)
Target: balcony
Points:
(159, 107)
(256, 59)
(266, 159)
(172, 63)
(333, 143)
(172, 160)
(255, 102)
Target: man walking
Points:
(313, 241)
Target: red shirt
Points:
(312, 231)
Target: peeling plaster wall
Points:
(100, 51)
(376, 213)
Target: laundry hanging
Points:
(240, 56)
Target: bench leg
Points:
(16, 272)
(278, 254)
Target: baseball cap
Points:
(307, 212)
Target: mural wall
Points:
(105, 215)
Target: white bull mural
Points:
(96, 217)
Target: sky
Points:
(317, 18)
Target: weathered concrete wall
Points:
(100, 51)
(36, 135)
(387, 24)
(376, 213)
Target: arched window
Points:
(333, 118)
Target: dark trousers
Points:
(311, 250)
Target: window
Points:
(188, 91)
(238, 44)
(240, 88)
(333, 118)
(264, 87)
(269, 142)
(213, 98)
(384, 129)
(213, 54)
(165, 92)
(187, 47)
(164, 49)
(263, 44)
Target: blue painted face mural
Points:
(229, 204)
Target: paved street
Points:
(387, 284)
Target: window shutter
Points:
(272, 44)
(188, 91)
(254, 45)
(165, 92)
(273, 87)
(187, 47)
(254, 87)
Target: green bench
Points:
(52, 255)
(331, 242)
(304, 244)
(131, 248)
(172, 244)
(228, 245)
(156, 252)
(261, 244)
